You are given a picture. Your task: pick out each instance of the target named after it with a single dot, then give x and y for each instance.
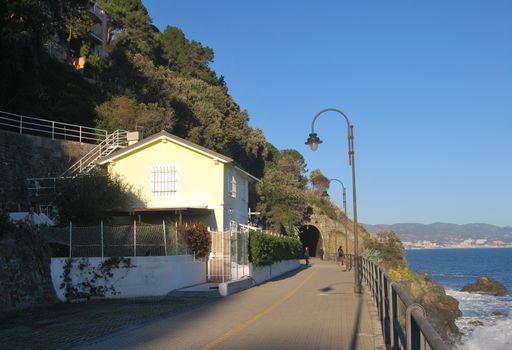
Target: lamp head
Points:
(313, 141)
(325, 194)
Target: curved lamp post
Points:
(344, 209)
(313, 141)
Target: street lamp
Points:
(344, 209)
(313, 141)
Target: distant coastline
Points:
(407, 247)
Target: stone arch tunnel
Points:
(310, 237)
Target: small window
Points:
(164, 180)
(232, 186)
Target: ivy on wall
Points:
(92, 281)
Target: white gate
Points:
(229, 257)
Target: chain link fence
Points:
(116, 240)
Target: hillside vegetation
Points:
(152, 80)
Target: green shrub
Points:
(198, 239)
(266, 250)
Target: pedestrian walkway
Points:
(311, 308)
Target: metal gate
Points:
(229, 256)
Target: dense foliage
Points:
(389, 247)
(319, 181)
(266, 250)
(86, 199)
(281, 191)
(150, 81)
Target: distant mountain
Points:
(443, 232)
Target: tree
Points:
(282, 191)
(122, 112)
(33, 80)
(86, 199)
(135, 30)
(390, 247)
(319, 181)
(187, 58)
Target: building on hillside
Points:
(100, 36)
(175, 178)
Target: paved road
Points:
(314, 308)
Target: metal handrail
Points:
(392, 300)
(113, 141)
(30, 125)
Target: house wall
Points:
(236, 208)
(149, 276)
(200, 178)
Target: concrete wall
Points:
(265, 273)
(25, 156)
(150, 276)
(257, 275)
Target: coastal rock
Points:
(476, 323)
(486, 285)
(442, 310)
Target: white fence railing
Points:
(50, 128)
(114, 141)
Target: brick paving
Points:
(311, 308)
(65, 325)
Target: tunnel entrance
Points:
(310, 237)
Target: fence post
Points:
(223, 255)
(70, 237)
(176, 236)
(165, 238)
(80, 135)
(102, 249)
(53, 130)
(393, 317)
(413, 331)
(134, 237)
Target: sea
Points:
(487, 320)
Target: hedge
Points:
(266, 250)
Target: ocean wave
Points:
(486, 320)
(483, 306)
(496, 337)
(453, 275)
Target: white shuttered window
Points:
(164, 179)
(232, 186)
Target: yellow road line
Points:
(256, 317)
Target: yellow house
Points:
(175, 176)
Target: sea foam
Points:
(486, 321)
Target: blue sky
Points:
(427, 85)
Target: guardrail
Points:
(403, 322)
(50, 128)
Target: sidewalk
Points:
(310, 308)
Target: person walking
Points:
(306, 255)
(341, 256)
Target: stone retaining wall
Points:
(25, 278)
(26, 156)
